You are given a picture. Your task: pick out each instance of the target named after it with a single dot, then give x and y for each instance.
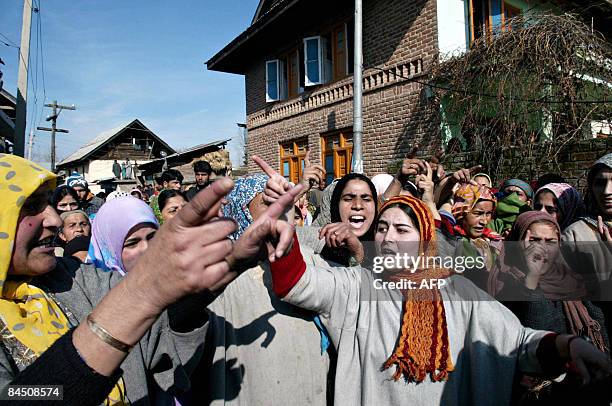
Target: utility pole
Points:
(22, 80)
(30, 144)
(358, 92)
(53, 118)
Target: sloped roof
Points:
(103, 138)
(267, 12)
(183, 157)
(263, 8)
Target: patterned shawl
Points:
(237, 208)
(569, 202)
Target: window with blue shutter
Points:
(272, 80)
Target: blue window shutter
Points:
(272, 80)
(312, 61)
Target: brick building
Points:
(297, 59)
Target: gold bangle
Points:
(107, 337)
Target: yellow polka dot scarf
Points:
(28, 313)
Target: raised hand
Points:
(187, 254)
(268, 237)
(537, 261)
(464, 175)
(276, 185)
(340, 235)
(425, 185)
(312, 174)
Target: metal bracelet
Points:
(107, 337)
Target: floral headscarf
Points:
(239, 198)
(569, 201)
(114, 221)
(467, 196)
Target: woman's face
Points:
(475, 221)
(519, 192)
(136, 244)
(602, 191)
(33, 252)
(547, 203)
(74, 225)
(172, 207)
(545, 233)
(482, 181)
(396, 233)
(357, 207)
(67, 204)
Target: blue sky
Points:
(119, 60)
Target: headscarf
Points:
(559, 283)
(484, 175)
(34, 319)
(521, 184)
(381, 182)
(136, 190)
(337, 195)
(467, 196)
(237, 208)
(116, 194)
(324, 216)
(569, 201)
(28, 314)
(114, 221)
(423, 347)
(506, 211)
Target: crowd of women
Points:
(257, 291)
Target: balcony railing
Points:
(336, 92)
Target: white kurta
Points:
(487, 342)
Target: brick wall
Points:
(574, 163)
(395, 117)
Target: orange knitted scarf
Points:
(423, 345)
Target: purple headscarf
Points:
(569, 202)
(113, 222)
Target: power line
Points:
(9, 45)
(12, 43)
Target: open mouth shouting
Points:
(357, 221)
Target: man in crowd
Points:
(202, 171)
(172, 179)
(89, 202)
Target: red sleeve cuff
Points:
(287, 271)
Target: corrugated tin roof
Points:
(102, 139)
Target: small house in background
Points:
(7, 120)
(213, 152)
(130, 145)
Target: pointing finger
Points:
(264, 166)
(202, 207)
